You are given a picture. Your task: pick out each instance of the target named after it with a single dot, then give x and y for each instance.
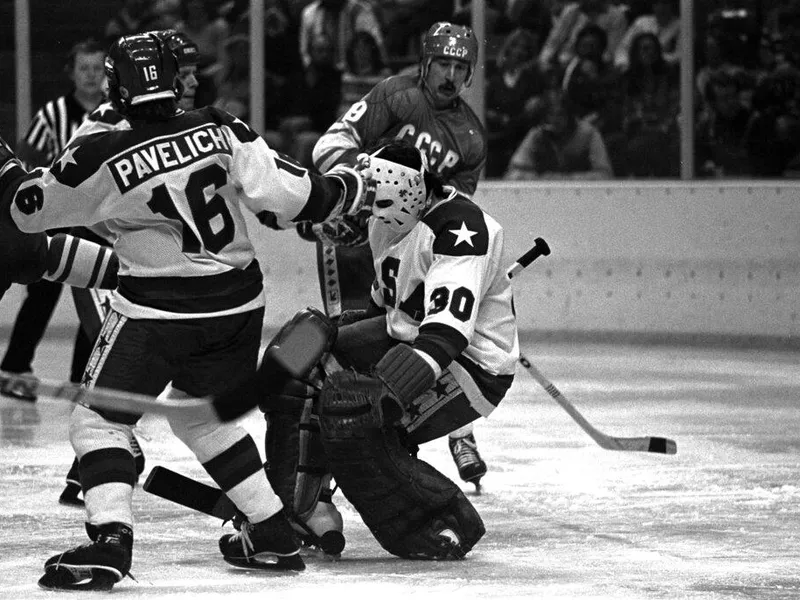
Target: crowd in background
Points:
(588, 89)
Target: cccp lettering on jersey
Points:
(165, 154)
(438, 160)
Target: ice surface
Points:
(564, 518)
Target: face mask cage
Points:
(400, 194)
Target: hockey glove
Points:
(347, 230)
(406, 375)
(359, 190)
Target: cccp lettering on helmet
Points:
(456, 51)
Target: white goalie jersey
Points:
(445, 291)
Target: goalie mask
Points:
(140, 69)
(400, 192)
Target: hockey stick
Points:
(635, 444)
(609, 442)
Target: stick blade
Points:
(662, 445)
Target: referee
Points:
(51, 129)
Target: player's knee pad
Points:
(412, 510)
(90, 431)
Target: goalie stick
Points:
(630, 444)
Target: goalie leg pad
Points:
(302, 342)
(411, 508)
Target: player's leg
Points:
(91, 306)
(128, 356)
(227, 451)
(16, 371)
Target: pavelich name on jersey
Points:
(167, 153)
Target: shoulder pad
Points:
(459, 228)
(239, 128)
(105, 113)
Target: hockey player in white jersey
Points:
(436, 349)
(92, 304)
(189, 303)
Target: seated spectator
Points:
(365, 68)
(512, 96)
(649, 143)
(664, 22)
(562, 147)
(134, 16)
(773, 135)
(714, 60)
(404, 22)
(720, 133)
(200, 21)
(588, 79)
(337, 22)
(559, 48)
(537, 16)
(233, 88)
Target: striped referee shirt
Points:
(51, 128)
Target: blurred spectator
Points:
(405, 21)
(335, 22)
(559, 48)
(773, 136)
(588, 78)
(134, 16)
(715, 60)
(512, 96)
(648, 145)
(201, 22)
(365, 68)
(562, 147)
(720, 133)
(534, 15)
(233, 89)
(664, 22)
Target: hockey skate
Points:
(21, 386)
(272, 538)
(471, 466)
(95, 566)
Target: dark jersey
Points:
(453, 138)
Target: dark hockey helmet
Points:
(445, 40)
(141, 68)
(184, 49)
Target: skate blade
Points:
(88, 579)
(282, 563)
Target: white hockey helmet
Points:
(400, 193)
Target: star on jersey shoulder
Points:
(67, 158)
(463, 235)
(103, 109)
